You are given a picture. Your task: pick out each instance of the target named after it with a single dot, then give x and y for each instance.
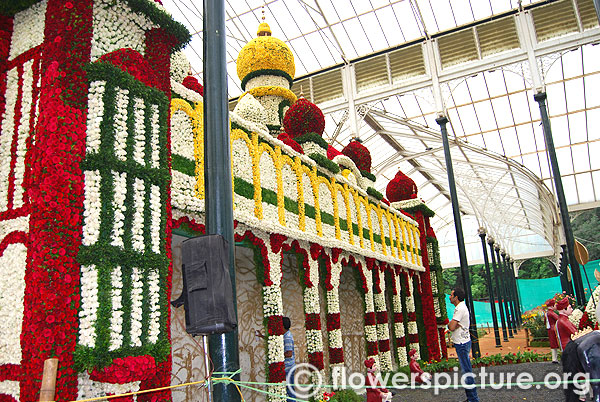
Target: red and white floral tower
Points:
(85, 196)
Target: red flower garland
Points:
(258, 242)
(372, 348)
(332, 152)
(382, 317)
(289, 141)
(303, 117)
(398, 317)
(370, 318)
(336, 355)
(384, 345)
(275, 325)
(333, 321)
(277, 372)
(401, 342)
(190, 223)
(312, 321)
(191, 82)
(316, 359)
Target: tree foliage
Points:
(537, 268)
(585, 229)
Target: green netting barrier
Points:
(532, 293)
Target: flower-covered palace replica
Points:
(102, 177)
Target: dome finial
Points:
(263, 28)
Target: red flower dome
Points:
(303, 117)
(133, 63)
(287, 140)
(401, 188)
(191, 82)
(359, 154)
(332, 152)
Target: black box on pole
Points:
(207, 290)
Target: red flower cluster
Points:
(370, 318)
(312, 321)
(10, 372)
(127, 369)
(277, 241)
(401, 342)
(382, 317)
(277, 372)
(413, 338)
(289, 141)
(412, 316)
(384, 345)
(258, 242)
(190, 223)
(398, 317)
(316, 359)
(191, 82)
(372, 348)
(400, 188)
(359, 154)
(336, 355)
(333, 321)
(585, 321)
(332, 152)
(275, 325)
(303, 117)
(133, 63)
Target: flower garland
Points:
(413, 336)
(399, 330)
(268, 90)
(383, 332)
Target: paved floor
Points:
(487, 344)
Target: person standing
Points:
(551, 318)
(289, 358)
(459, 326)
(564, 327)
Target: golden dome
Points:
(265, 55)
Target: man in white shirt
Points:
(459, 325)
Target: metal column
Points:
(509, 292)
(497, 274)
(505, 297)
(464, 267)
(217, 178)
(490, 288)
(540, 98)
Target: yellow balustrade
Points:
(402, 234)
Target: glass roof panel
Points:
(491, 109)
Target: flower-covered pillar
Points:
(269, 275)
(334, 331)
(383, 332)
(437, 287)
(427, 302)
(399, 330)
(413, 336)
(45, 51)
(366, 279)
(312, 309)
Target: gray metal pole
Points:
(540, 98)
(490, 288)
(464, 267)
(504, 291)
(497, 275)
(217, 179)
